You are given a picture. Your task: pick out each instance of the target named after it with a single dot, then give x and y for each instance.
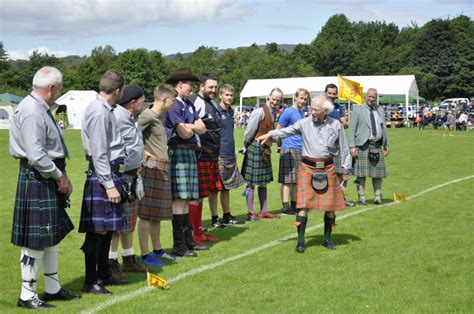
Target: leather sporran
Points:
(319, 181)
(267, 155)
(374, 155)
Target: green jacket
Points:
(359, 126)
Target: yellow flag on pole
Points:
(399, 197)
(350, 90)
(155, 281)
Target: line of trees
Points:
(440, 54)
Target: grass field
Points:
(414, 256)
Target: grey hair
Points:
(326, 104)
(47, 76)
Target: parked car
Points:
(452, 103)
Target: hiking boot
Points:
(114, 269)
(130, 265)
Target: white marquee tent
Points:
(6, 113)
(76, 102)
(387, 85)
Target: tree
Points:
(91, 70)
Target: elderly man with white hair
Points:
(317, 184)
(40, 220)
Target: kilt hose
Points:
(130, 212)
(184, 175)
(229, 172)
(331, 200)
(157, 202)
(97, 213)
(39, 219)
(363, 167)
(255, 170)
(208, 177)
(290, 158)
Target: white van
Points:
(452, 103)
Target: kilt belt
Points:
(60, 164)
(317, 163)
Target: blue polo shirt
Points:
(287, 118)
(227, 147)
(338, 112)
(183, 112)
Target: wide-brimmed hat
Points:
(182, 74)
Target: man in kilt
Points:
(182, 124)
(339, 114)
(40, 220)
(290, 152)
(257, 165)
(130, 106)
(367, 139)
(207, 155)
(102, 211)
(228, 170)
(156, 205)
(317, 184)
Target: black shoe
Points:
(232, 221)
(378, 202)
(189, 253)
(288, 211)
(62, 295)
(349, 204)
(362, 202)
(197, 247)
(218, 225)
(299, 248)
(96, 288)
(113, 280)
(328, 244)
(33, 303)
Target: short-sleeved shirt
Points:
(183, 112)
(338, 112)
(287, 118)
(154, 134)
(227, 148)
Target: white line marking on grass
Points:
(201, 269)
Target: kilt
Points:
(254, 170)
(229, 172)
(157, 202)
(39, 218)
(331, 200)
(364, 168)
(130, 211)
(97, 213)
(208, 177)
(338, 164)
(184, 175)
(290, 158)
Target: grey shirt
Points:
(255, 118)
(132, 137)
(34, 136)
(378, 123)
(321, 140)
(101, 139)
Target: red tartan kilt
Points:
(209, 178)
(306, 197)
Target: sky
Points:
(75, 27)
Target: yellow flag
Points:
(350, 90)
(155, 281)
(399, 197)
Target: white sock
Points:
(113, 255)
(128, 252)
(50, 264)
(30, 261)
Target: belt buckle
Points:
(319, 164)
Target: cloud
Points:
(289, 27)
(25, 55)
(73, 18)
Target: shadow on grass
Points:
(225, 234)
(337, 239)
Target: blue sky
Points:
(65, 27)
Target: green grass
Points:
(414, 256)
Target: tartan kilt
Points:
(39, 219)
(254, 170)
(97, 213)
(209, 178)
(184, 174)
(290, 158)
(338, 164)
(229, 172)
(157, 202)
(306, 197)
(364, 168)
(130, 211)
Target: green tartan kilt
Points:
(39, 219)
(364, 168)
(184, 174)
(338, 164)
(254, 170)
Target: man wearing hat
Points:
(182, 124)
(102, 211)
(130, 106)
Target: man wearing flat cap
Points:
(182, 124)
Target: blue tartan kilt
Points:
(254, 169)
(97, 213)
(184, 174)
(40, 219)
(290, 159)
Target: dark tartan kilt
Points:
(209, 178)
(338, 164)
(254, 170)
(184, 174)
(229, 172)
(130, 211)
(331, 200)
(156, 205)
(364, 168)
(290, 158)
(39, 218)
(97, 213)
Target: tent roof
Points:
(85, 96)
(385, 85)
(11, 98)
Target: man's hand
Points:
(386, 151)
(353, 152)
(70, 188)
(346, 177)
(63, 184)
(113, 195)
(263, 138)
